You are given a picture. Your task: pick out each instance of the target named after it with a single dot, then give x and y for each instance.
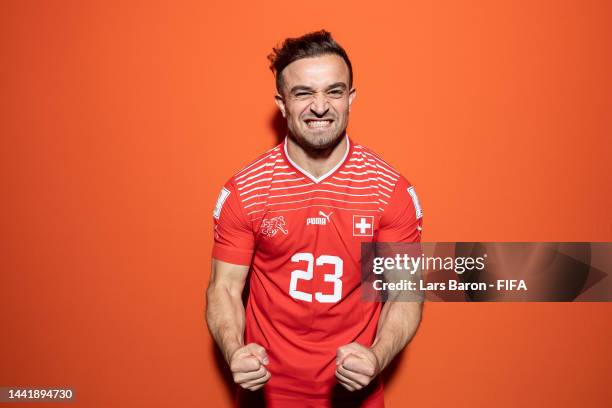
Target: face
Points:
(316, 100)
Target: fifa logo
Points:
(270, 227)
(322, 220)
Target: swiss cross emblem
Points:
(363, 225)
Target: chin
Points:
(320, 141)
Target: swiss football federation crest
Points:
(363, 225)
(271, 226)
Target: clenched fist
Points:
(248, 366)
(356, 366)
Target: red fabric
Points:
(304, 237)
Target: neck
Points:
(317, 162)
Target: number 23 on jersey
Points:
(311, 262)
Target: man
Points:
(295, 218)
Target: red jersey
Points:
(301, 236)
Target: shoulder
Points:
(385, 172)
(257, 166)
(249, 182)
(395, 190)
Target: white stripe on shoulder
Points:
(270, 154)
(385, 187)
(251, 190)
(255, 182)
(383, 164)
(255, 169)
(254, 176)
(254, 196)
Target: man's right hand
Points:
(248, 366)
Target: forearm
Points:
(397, 325)
(225, 318)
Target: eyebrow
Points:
(307, 88)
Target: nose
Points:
(319, 105)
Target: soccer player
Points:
(292, 222)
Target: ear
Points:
(352, 96)
(280, 102)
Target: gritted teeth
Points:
(318, 123)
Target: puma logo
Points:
(324, 219)
(321, 213)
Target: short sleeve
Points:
(402, 219)
(234, 240)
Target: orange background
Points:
(121, 120)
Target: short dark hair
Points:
(309, 45)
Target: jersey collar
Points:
(326, 175)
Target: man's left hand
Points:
(356, 366)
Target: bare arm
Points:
(358, 365)
(397, 325)
(225, 318)
(225, 311)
